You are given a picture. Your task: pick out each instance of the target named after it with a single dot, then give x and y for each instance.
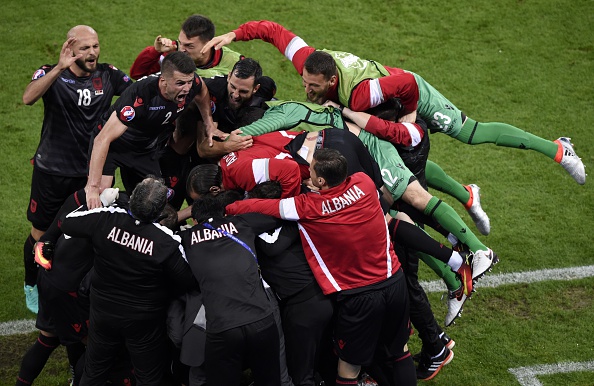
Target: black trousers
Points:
(304, 324)
(256, 344)
(109, 331)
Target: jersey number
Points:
(439, 118)
(388, 178)
(166, 121)
(84, 97)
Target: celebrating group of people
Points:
(297, 254)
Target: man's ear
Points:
(321, 181)
(256, 87)
(214, 190)
(333, 80)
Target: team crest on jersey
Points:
(98, 86)
(127, 113)
(38, 74)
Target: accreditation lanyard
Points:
(238, 241)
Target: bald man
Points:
(75, 92)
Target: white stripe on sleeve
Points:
(415, 136)
(288, 210)
(375, 93)
(294, 45)
(260, 170)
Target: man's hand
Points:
(332, 104)
(236, 142)
(163, 45)
(213, 131)
(218, 42)
(93, 200)
(408, 118)
(66, 58)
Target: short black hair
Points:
(248, 115)
(209, 206)
(246, 68)
(331, 165)
(177, 61)
(202, 177)
(148, 200)
(389, 110)
(267, 189)
(200, 26)
(320, 62)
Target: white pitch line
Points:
(14, 327)
(26, 326)
(527, 376)
(496, 280)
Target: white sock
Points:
(455, 261)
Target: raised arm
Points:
(112, 130)
(289, 44)
(42, 82)
(148, 61)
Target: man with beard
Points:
(75, 92)
(132, 134)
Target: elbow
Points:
(28, 101)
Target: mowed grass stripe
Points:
(26, 326)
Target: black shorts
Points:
(61, 313)
(48, 193)
(134, 167)
(373, 323)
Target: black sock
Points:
(30, 265)
(74, 351)
(35, 359)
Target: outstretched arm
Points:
(289, 44)
(39, 86)
(112, 130)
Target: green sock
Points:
(442, 270)
(502, 134)
(447, 217)
(439, 180)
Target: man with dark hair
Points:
(138, 265)
(372, 302)
(362, 84)
(75, 92)
(243, 87)
(139, 124)
(240, 326)
(195, 32)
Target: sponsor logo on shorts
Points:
(33, 206)
(76, 327)
(127, 113)
(213, 106)
(341, 343)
